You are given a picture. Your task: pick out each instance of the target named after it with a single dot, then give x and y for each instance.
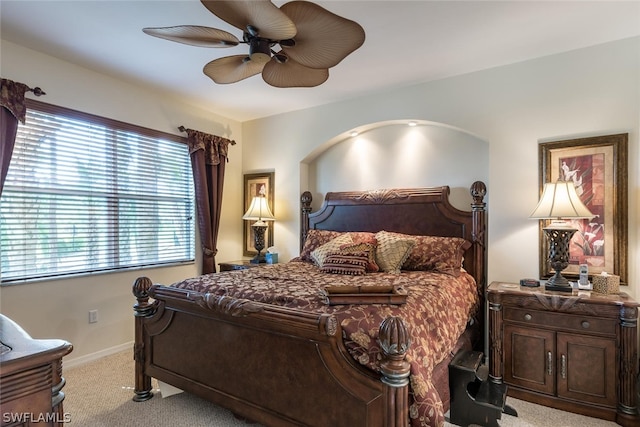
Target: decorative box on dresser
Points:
(573, 351)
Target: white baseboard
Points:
(78, 361)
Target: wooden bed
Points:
(243, 355)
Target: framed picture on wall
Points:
(598, 168)
(256, 184)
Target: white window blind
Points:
(86, 194)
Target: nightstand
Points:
(242, 264)
(576, 352)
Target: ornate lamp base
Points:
(258, 233)
(559, 240)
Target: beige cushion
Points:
(319, 254)
(392, 251)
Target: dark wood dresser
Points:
(573, 351)
(30, 378)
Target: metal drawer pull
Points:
(527, 317)
(564, 366)
(549, 363)
(585, 324)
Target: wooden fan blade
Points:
(231, 69)
(293, 74)
(270, 22)
(324, 38)
(194, 35)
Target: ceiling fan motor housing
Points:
(260, 49)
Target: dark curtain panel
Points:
(208, 159)
(13, 109)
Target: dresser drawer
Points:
(561, 321)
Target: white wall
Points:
(59, 308)
(393, 154)
(587, 92)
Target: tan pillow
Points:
(319, 254)
(392, 251)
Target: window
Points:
(86, 194)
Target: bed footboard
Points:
(272, 365)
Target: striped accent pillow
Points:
(365, 247)
(351, 263)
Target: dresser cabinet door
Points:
(529, 358)
(587, 369)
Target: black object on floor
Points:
(475, 400)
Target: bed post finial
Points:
(141, 291)
(305, 210)
(394, 342)
(141, 309)
(478, 191)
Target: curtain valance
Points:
(214, 146)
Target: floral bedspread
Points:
(436, 313)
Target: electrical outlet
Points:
(93, 316)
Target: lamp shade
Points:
(560, 201)
(259, 210)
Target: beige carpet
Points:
(99, 394)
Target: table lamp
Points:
(259, 211)
(559, 202)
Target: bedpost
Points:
(141, 309)
(305, 210)
(479, 215)
(394, 341)
(478, 209)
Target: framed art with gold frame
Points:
(253, 183)
(598, 167)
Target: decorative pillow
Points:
(392, 251)
(319, 254)
(315, 239)
(435, 253)
(351, 263)
(369, 248)
(363, 237)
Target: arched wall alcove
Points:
(398, 154)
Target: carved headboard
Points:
(416, 211)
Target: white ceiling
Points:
(407, 42)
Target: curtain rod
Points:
(182, 129)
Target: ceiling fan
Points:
(292, 46)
